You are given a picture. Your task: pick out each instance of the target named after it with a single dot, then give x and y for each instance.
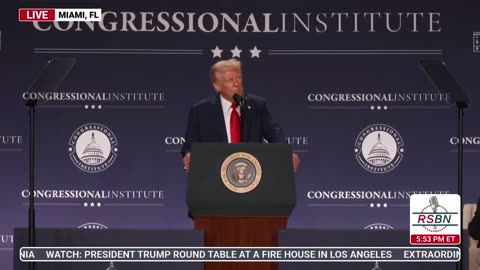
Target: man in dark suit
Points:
(217, 119)
(474, 225)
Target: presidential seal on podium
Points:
(241, 172)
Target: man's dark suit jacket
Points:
(474, 225)
(206, 123)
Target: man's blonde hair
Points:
(224, 65)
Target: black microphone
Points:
(238, 100)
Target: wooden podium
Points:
(241, 232)
(231, 218)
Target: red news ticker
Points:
(445, 239)
(36, 14)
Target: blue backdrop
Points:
(342, 79)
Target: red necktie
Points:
(234, 125)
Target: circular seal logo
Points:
(241, 172)
(93, 147)
(379, 148)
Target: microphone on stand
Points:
(239, 100)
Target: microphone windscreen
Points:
(238, 99)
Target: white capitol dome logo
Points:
(93, 147)
(379, 148)
(93, 154)
(378, 154)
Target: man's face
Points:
(228, 83)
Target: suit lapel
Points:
(246, 115)
(219, 119)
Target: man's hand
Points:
(296, 161)
(186, 162)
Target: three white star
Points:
(217, 52)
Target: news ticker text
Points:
(239, 254)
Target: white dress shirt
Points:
(227, 112)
